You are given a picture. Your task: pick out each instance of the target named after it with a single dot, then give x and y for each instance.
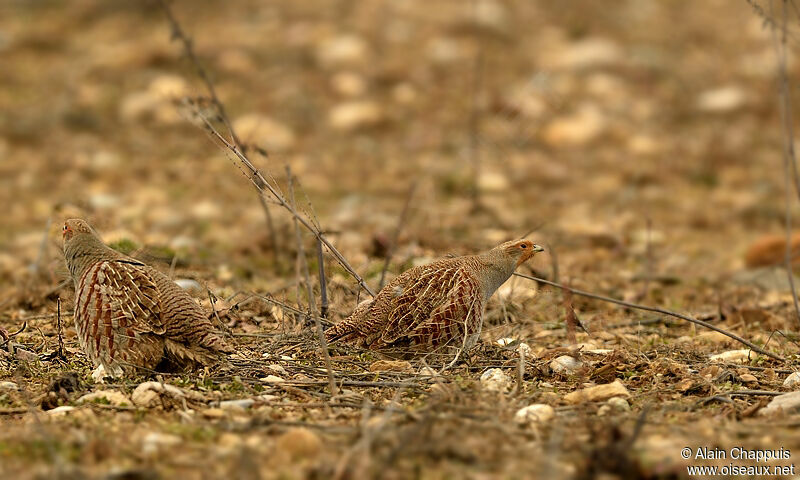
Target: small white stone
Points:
(112, 396)
(155, 441)
(524, 349)
(495, 380)
(350, 116)
(60, 411)
(8, 387)
(147, 394)
(277, 368)
(566, 365)
(537, 413)
(100, 374)
(237, 405)
(348, 84)
(597, 393)
(721, 100)
(344, 50)
(272, 379)
(733, 356)
(619, 404)
(791, 381)
(787, 403)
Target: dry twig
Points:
(662, 311)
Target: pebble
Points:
(733, 356)
(213, 413)
(537, 413)
(272, 379)
(566, 365)
(237, 405)
(265, 131)
(155, 441)
(597, 393)
(791, 381)
(278, 368)
(113, 397)
(575, 130)
(60, 411)
(300, 443)
(787, 403)
(355, 115)
(348, 84)
(495, 380)
(26, 355)
(721, 100)
(583, 55)
(343, 50)
(748, 378)
(147, 394)
(391, 366)
(8, 387)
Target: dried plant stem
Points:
(312, 309)
(396, 236)
(789, 158)
(188, 49)
(323, 284)
(258, 179)
(662, 311)
(61, 352)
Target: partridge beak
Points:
(537, 248)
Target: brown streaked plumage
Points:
(129, 314)
(435, 304)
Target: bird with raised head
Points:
(441, 303)
(128, 314)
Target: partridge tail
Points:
(183, 355)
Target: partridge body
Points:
(129, 314)
(436, 304)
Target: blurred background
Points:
(585, 121)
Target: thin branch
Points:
(257, 178)
(188, 49)
(323, 284)
(662, 311)
(396, 236)
(323, 343)
(61, 351)
(789, 160)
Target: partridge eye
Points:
(523, 246)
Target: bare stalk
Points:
(662, 311)
(261, 183)
(312, 309)
(188, 49)
(789, 159)
(323, 284)
(396, 236)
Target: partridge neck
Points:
(496, 270)
(85, 250)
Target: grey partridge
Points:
(436, 304)
(128, 314)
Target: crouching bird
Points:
(129, 315)
(436, 304)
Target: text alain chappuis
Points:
(744, 455)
